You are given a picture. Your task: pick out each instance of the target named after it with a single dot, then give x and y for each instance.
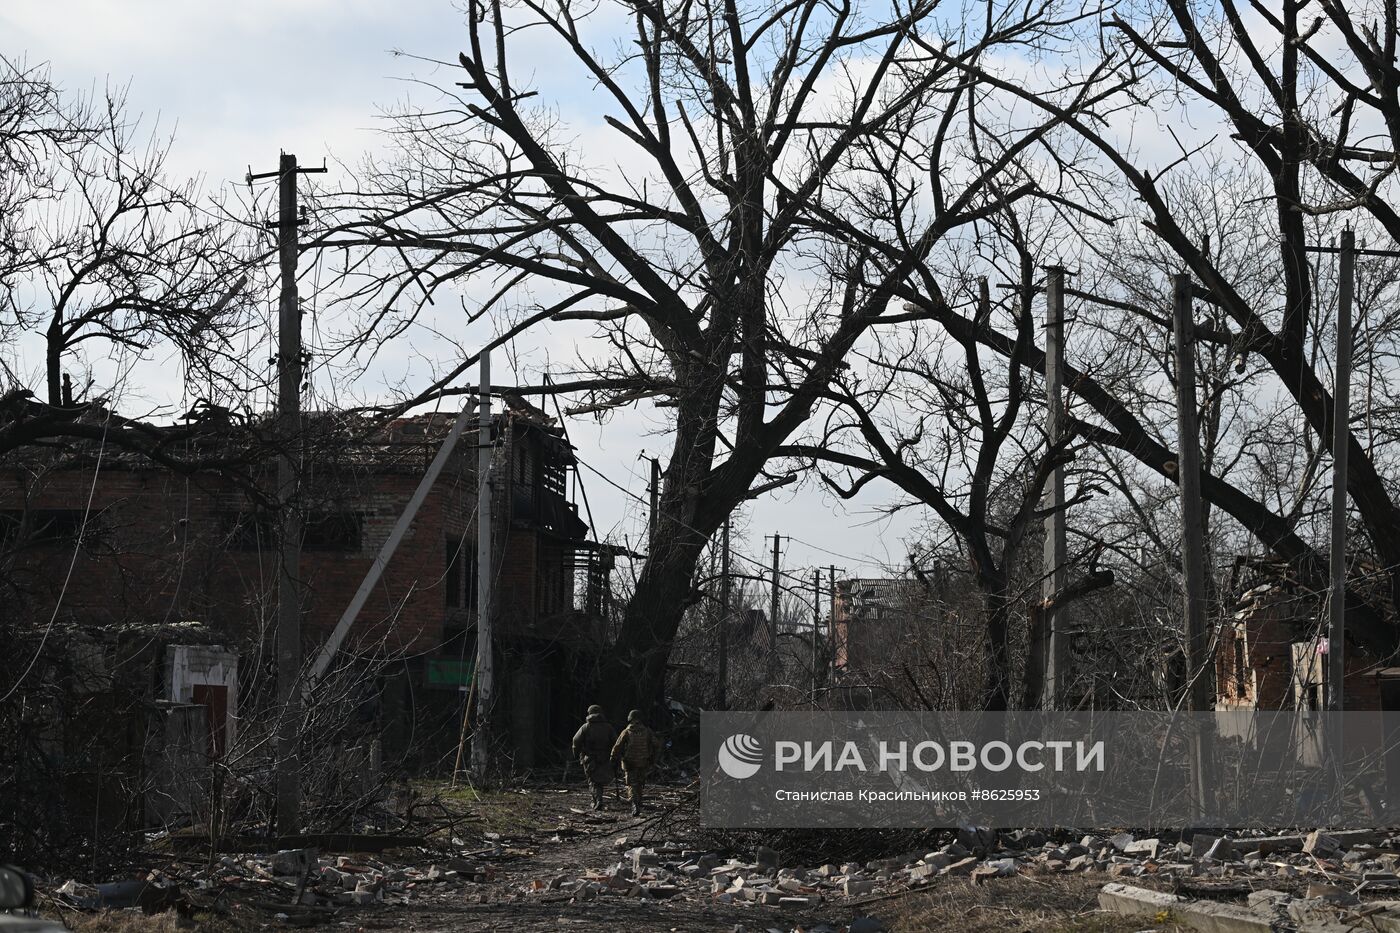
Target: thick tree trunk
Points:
(691, 509)
(54, 362)
(634, 674)
(996, 691)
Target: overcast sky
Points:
(237, 82)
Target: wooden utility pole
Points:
(289, 377)
(723, 701)
(1200, 676)
(1054, 572)
(1341, 418)
(483, 677)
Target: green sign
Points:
(446, 672)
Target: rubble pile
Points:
(1302, 874)
(671, 871)
(360, 881)
(1362, 861)
(295, 883)
(1314, 882)
(1323, 909)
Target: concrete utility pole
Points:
(1201, 695)
(831, 624)
(816, 627)
(481, 735)
(1055, 567)
(773, 604)
(1341, 418)
(723, 702)
(1341, 438)
(386, 552)
(289, 377)
(288, 577)
(1201, 680)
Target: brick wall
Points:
(158, 547)
(1266, 660)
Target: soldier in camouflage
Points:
(637, 749)
(592, 743)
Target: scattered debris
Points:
(1264, 911)
(587, 862)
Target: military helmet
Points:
(634, 716)
(595, 710)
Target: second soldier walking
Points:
(637, 749)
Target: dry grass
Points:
(134, 921)
(505, 812)
(1052, 904)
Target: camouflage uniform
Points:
(592, 742)
(637, 748)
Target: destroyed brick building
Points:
(872, 622)
(1272, 651)
(103, 540)
(866, 614)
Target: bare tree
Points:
(102, 252)
(104, 259)
(1280, 111)
(725, 264)
(33, 127)
(929, 416)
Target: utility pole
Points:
(1189, 475)
(1055, 570)
(816, 627)
(773, 604)
(481, 735)
(831, 625)
(723, 702)
(1341, 418)
(1200, 685)
(1341, 439)
(289, 377)
(288, 577)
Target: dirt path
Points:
(589, 843)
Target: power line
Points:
(867, 559)
(72, 561)
(609, 480)
(800, 581)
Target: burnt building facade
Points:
(102, 539)
(1272, 653)
(875, 624)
